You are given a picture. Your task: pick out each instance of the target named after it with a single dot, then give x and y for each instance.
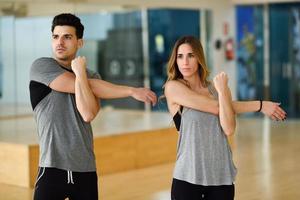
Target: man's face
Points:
(65, 43)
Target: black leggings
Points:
(57, 184)
(182, 190)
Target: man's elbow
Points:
(90, 116)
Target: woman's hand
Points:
(220, 82)
(273, 110)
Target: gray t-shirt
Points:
(65, 139)
(203, 153)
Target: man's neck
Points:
(64, 63)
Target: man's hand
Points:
(273, 110)
(145, 95)
(78, 65)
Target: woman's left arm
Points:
(226, 111)
(268, 108)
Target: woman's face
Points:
(186, 61)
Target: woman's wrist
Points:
(260, 106)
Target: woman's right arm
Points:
(178, 93)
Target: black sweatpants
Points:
(57, 184)
(182, 190)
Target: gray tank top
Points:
(203, 154)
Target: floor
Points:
(266, 154)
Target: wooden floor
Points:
(267, 155)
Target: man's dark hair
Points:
(67, 19)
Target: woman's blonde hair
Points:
(172, 69)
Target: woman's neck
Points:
(194, 82)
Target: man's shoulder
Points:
(44, 60)
(44, 63)
(93, 74)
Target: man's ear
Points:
(80, 43)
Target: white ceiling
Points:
(50, 7)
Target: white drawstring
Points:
(70, 177)
(43, 168)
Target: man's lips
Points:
(60, 49)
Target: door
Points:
(285, 56)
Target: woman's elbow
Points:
(230, 130)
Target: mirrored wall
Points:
(279, 69)
(124, 47)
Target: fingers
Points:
(151, 97)
(220, 80)
(145, 95)
(280, 110)
(273, 118)
(274, 111)
(79, 59)
(78, 66)
(278, 114)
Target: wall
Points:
(32, 40)
(7, 60)
(223, 12)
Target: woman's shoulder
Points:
(175, 83)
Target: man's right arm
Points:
(103, 89)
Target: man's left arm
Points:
(86, 102)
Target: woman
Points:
(204, 115)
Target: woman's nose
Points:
(186, 60)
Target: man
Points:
(64, 97)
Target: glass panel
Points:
(165, 27)
(30, 44)
(8, 101)
(1, 60)
(113, 47)
(250, 52)
(110, 38)
(284, 56)
(209, 43)
(116, 51)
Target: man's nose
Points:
(61, 40)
